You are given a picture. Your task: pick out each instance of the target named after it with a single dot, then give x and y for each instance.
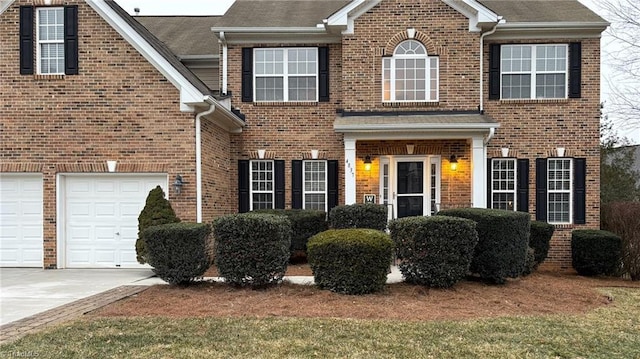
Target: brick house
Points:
(418, 105)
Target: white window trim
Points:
(515, 182)
(534, 72)
(570, 190)
(285, 75)
(326, 183)
(40, 42)
(392, 82)
(273, 184)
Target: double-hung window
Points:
(314, 185)
(503, 183)
(50, 36)
(534, 71)
(559, 190)
(262, 184)
(286, 74)
(410, 75)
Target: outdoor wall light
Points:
(367, 163)
(453, 160)
(178, 183)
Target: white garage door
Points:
(21, 220)
(101, 217)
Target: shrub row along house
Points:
(419, 105)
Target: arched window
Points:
(410, 75)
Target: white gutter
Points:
(482, 62)
(492, 132)
(267, 30)
(223, 41)
(198, 124)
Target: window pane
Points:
(302, 89)
(516, 86)
(550, 86)
(269, 89)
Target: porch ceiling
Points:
(407, 125)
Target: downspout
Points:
(223, 41)
(212, 107)
(481, 107)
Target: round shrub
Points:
(304, 224)
(350, 261)
(157, 210)
(436, 251)
(252, 249)
(541, 233)
(359, 215)
(503, 240)
(179, 252)
(595, 252)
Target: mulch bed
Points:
(540, 293)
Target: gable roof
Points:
(279, 13)
(542, 11)
(185, 36)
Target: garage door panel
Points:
(110, 210)
(21, 241)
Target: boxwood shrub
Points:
(436, 251)
(305, 223)
(359, 215)
(503, 240)
(157, 210)
(595, 252)
(252, 249)
(541, 233)
(179, 252)
(350, 261)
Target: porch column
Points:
(478, 172)
(349, 171)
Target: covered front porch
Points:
(416, 163)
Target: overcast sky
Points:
(218, 7)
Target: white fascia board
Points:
(556, 30)
(389, 128)
(340, 17)
(282, 39)
(476, 13)
(411, 135)
(276, 30)
(4, 5)
(354, 12)
(188, 93)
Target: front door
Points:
(410, 185)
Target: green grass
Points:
(609, 332)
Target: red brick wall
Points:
(217, 178)
(118, 108)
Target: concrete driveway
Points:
(28, 291)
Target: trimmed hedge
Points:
(305, 223)
(623, 219)
(595, 252)
(179, 252)
(503, 240)
(350, 261)
(541, 233)
(436, 251)
(252, 249)
(529, 263)
(359, 215)
(157, 210)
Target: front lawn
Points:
(611, 331)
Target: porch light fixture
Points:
(177, 184)
(367, 163)
(453, 160)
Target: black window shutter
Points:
(323, 74)
(243, 186)
(296, 184)
(575, 69)
(579, 190)
(71, 40)
(541, 189)
(494, 71)
(332, 185)
(522, 187)
(26, 40)
(489, 183)
(279, 183)
(247, 74)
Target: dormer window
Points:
(410, 75)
